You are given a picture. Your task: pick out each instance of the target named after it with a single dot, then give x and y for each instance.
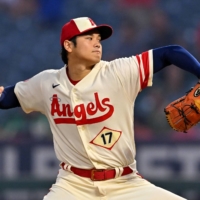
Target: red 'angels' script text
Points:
(81, 111)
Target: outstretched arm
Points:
(175, 55)
(8, 98)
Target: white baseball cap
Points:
(81, 25)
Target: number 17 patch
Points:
(107, 138)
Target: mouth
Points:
(98, 52)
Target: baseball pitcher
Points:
(89, 104)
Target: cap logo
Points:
(92, 22)
(84, 23)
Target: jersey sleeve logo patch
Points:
(107, 138)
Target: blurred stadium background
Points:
(29, 43)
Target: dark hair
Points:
(64, 53)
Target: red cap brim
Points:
(104, 30)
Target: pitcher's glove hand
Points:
(184, 112)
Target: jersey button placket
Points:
(74, 95)
(81, 128)
(76, 98)
(83, 131)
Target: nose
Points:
(97, 44)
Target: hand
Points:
(1, 90)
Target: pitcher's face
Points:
(88, 49)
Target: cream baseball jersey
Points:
(92, 121)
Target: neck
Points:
(78, 72)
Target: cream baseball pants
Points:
(69, 186)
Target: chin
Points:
(95, 61)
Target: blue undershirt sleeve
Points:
(8, 98)
(176, 55)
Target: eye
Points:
(89, 37)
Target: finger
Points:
(1, 89)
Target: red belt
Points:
(97, 174)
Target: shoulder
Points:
(49, 73)
(118, 61)
(44, 76)
(103, 63)
(123, 62)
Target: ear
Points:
(68, 45)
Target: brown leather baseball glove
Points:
(184, 112)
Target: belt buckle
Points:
(93, 172)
